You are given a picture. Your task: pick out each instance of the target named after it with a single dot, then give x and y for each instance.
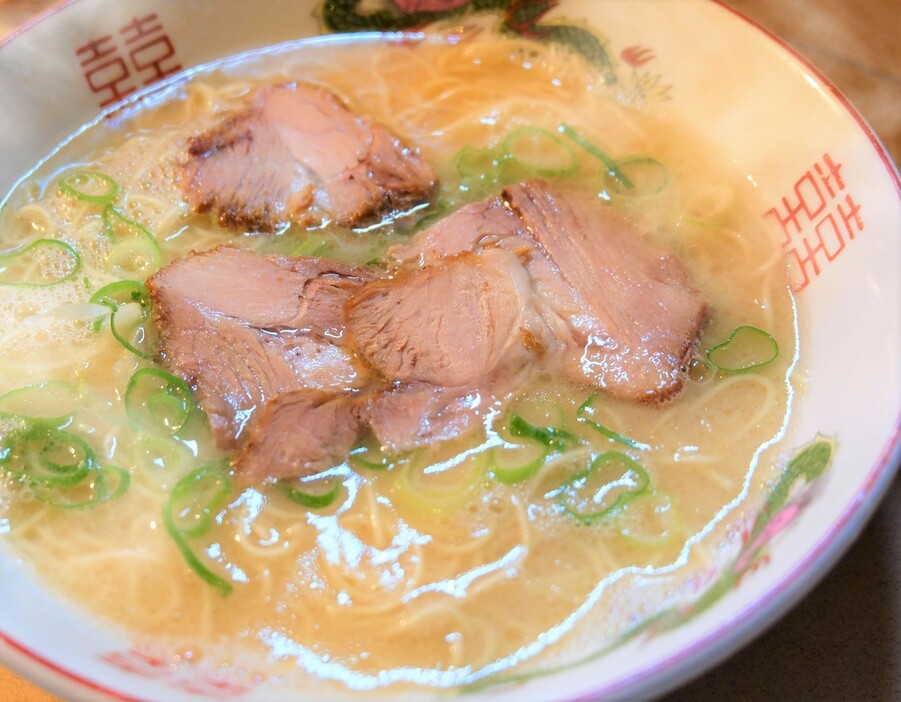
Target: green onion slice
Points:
(56, 262)
(647, 175)
(480, 170)
(50, 404)
(59, 467)
(584, 414)
(195, 497)
(159, 457)
(371, 458)
(611, 481)
(157, 401)
(315, 494)
(479, 164)
(135, 258)
(127, 296)
(539, 152)
(513, 464)
(611, 166)
(747, 348)
(554, 438)
(87, 493)
(311, 245)
(81, 494)
(440, 487)
(90, 186)
(42, 454)
(653, 521)
(136, 253)
(121, 478)
(189, 513)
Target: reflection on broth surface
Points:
(519, 544)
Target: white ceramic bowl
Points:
(782, 125)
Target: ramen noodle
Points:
(428, 568)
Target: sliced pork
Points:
(292, 358)
(299, 433)
(263, 342)
(475, 227)
(271, 343)
(622, 310)
(631, 307)
(452, 337)
(242, 329)
(447, 325)
(411, 415)
(298, 154)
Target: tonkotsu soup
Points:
(542, 533)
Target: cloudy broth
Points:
(427, 569)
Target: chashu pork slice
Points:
(296, 153)
(447, 325)
(299, 432)
(452, 338)
(622, 311)
(243, 330)
(632, 310)
(293, 358)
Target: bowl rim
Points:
(784, 594)
(703, 653)
(37, 19)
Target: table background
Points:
(843, 642)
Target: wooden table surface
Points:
(843, 642)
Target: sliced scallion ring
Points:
(539, 152)
(158, 401)
(136, 258)
(747, 348)
(371, 459)
(90, 186)
(136, 252)
(513, 464)
(117, 296)
(86, 493)
(647, 175)
(315, 494)
(50, 404)
(121, 480)
(478, 164)
(650, 522)
(195, 497)
(553, 437)
(610, 165)
(40, 454)
(311, 245)
(435, 488)
(56, 262)
(611, 481)
(189, 511)
(159, 458)
(59, 467)
(584, 414)
(45, 455)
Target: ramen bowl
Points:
(826, 189)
